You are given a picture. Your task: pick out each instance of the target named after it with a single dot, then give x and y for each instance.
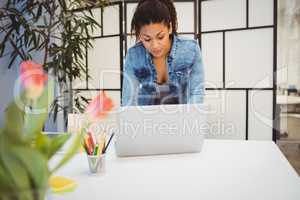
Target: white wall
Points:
(237, 44)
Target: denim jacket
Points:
(185, 72)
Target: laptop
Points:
(160, 129)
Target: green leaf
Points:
(17, 175)
(12, 59)
(2, 49)
(70, 152)
(39, 12)
(13, 123)
(6, 182)
(49, 146)
(36, 166)
(42, 144)
(56, 143)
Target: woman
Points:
(161, 68)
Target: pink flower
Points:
(33, 78)
(99, 107)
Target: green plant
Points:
(60, 30)
(25, 150)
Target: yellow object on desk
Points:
(60, 184)
(101, 143)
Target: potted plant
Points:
(24, 150)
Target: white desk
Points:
(233, 170)
(285, 105)
(287, 100)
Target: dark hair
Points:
(154, 11)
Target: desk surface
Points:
(281, 99)
(224, 169)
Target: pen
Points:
(104, 150)
(85, 148)
(96, 150)
(91, 140)
(88, 145)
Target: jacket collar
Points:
(174, 47)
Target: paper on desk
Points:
(60, 184)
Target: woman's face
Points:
(155, 38)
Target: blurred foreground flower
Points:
(33, 78)
(24, 149)
(99, 107)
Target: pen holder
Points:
(96, 163)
